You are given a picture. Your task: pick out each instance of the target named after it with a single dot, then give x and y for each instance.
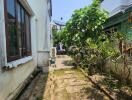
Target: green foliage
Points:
(84, 31)
(57, 36)
(85, 22)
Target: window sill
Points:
(15, 63)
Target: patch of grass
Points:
(76, 70)
(45, 78)
(39, 98)
(79, 74)
(65, 95)
(61, 72)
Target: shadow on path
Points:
(63, 83)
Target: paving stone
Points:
(70, 86)
(69, 72)
(74, 89)
(69, 76)
(75, 96)
(77, 83)
(67, 81)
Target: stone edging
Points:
(106, 92)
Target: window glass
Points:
(18, 30)
(23, 33)
(11, 25)
(28, 33)
(11, 8)
(22, 16)
(19, 27)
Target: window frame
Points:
(23, 35)
(28, 53)
(9, 58)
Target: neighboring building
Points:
(120, 20)
(114, 7)
(120, 16)
(58, 25)
(25, 32)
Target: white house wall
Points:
(2, 36)
(40, 8)
(49, 33)
(12, 80)
(34, 39)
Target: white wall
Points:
(40, 8)
(2, 36)
(12, 80)
(34, 39)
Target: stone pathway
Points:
(64, 84)
(63, 62)
(71, 84)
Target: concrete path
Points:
(71, 84)
(64, 84)
(61, 62)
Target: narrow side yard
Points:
(66, 84)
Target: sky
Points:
(65, 8)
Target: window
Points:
(28, 35)
(18, 36)
(23, 32)
(19, 28)
(12, 46)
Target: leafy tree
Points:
(85, 22)
(85, 32)
(57, 36)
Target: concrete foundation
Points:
(11, 81)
